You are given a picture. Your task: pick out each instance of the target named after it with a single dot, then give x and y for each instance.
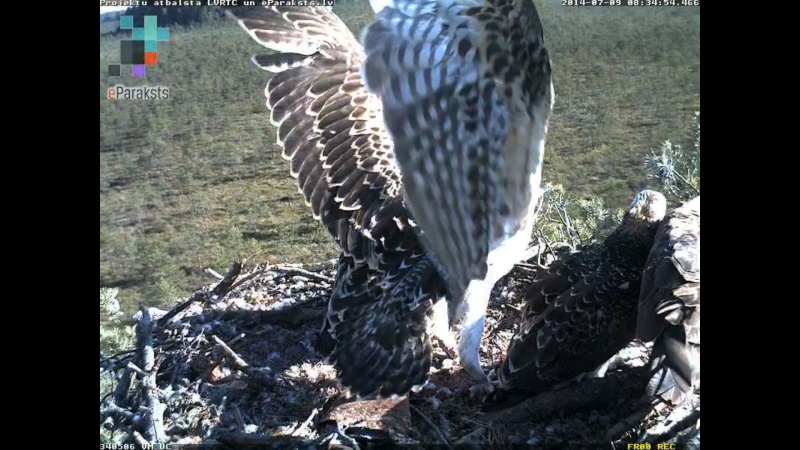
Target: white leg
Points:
(469, 343)
(441, 328)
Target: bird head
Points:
(648, 206)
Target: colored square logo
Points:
(141, 49)
(138, 70)
(126, 22)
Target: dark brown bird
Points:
(669, 313)
(582, 309)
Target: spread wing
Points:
(331, 130)
(465, 86)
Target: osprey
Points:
(421, 153)
(581, 311)
(669, 313)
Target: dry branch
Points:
(123, 386)
(289, 270)
(239, 363)
(154, 421)
(591, 394)
(214, 273)
(217, 292)
(112, 410)
(441, 438)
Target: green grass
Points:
(197, 180)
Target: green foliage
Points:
(109, 304)
(676, 167)
(197, 180)
(115, 337)
(564, 220)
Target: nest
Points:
(235, 366)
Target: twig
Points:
(237, 415)
(113, 410)
(237, 338)
(436, 431)
(155, 424)
(468, 438)
(240, 363)
(595, 393)
(220, 290)
(526, 266)
(645, 407)
(289, 270)
(135, 368)
(123, 386)
(117, 355)
(530, 252)
(307, 422)
(214, 273)
(686, 182)
(257, 272)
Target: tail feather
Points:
(672, 367)
(383, 346)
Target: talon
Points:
(483, 389)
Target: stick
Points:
(123, 386)
(214, 273)
(113, 410)
(135, 368)
(306, 423)
(436, 431)
(155, 409)
(595, 393)
(289, 270)
(237, 415)
(240, 363)
(645, 407)
(469, 437)
(247, 277)
(220, 290)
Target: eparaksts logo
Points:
(120, 92)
